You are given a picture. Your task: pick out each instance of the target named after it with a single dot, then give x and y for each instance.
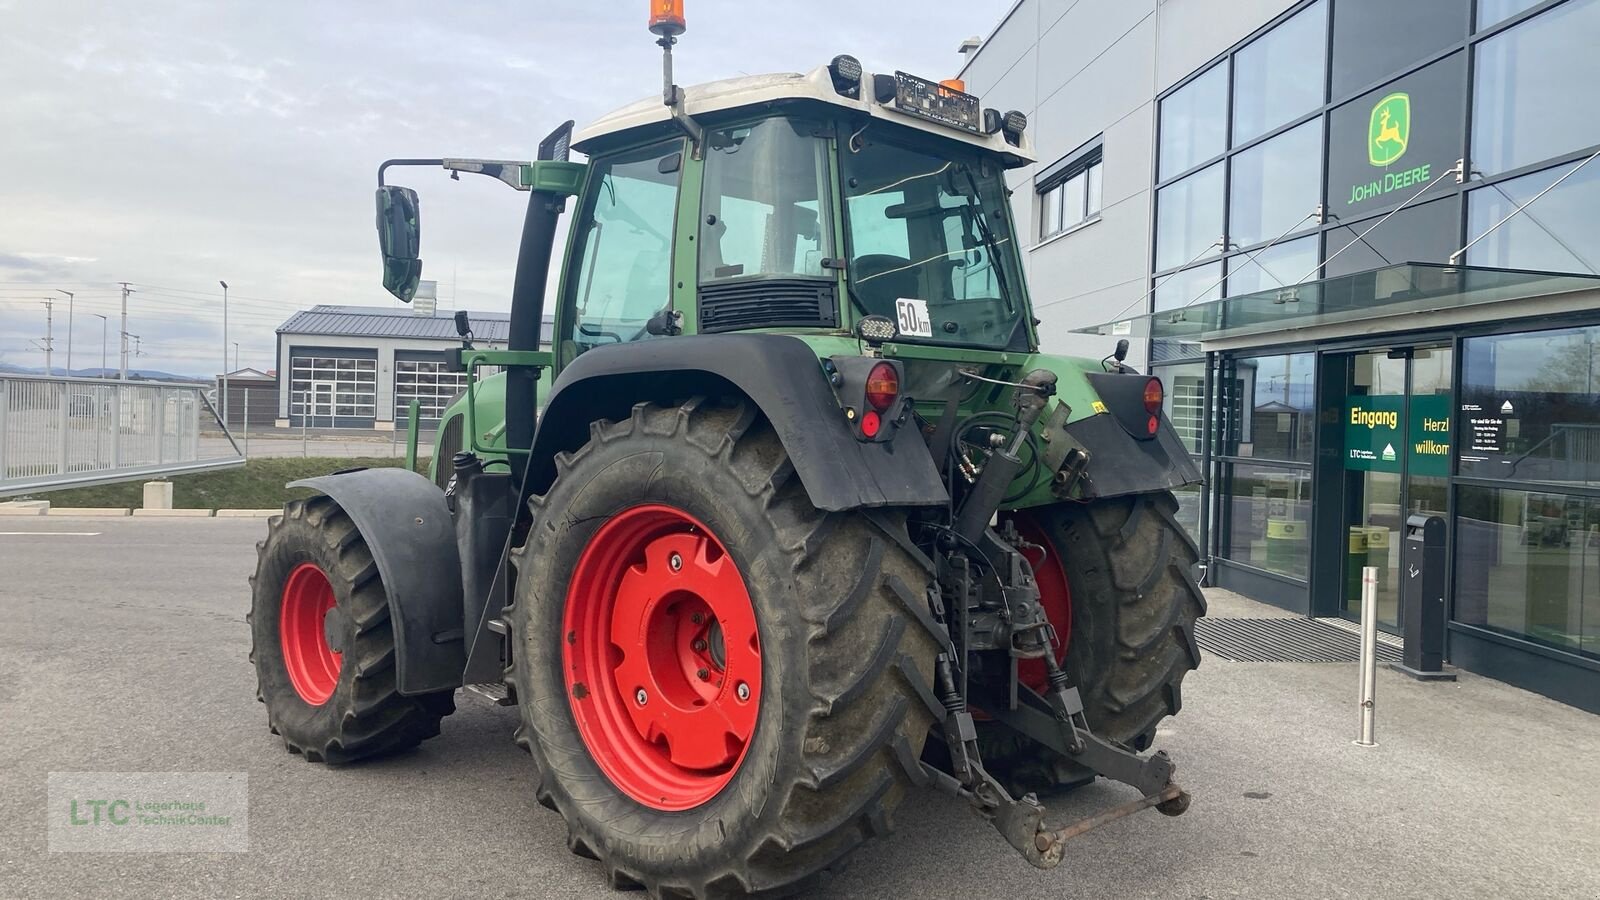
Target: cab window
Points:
(624, 274)
(761, 210)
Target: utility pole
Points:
(124, 331)
(49, 334)
(102, 343)
(222, 381)
(69, 329)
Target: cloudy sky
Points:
(173, 143)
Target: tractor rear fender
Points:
(404, 520)
(780, 374)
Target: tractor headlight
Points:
(1014, 124)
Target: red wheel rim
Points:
(313, 665)
(1054, 595)
(661, 657)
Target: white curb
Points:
(174, 513)
(248, 513)
(94, 511)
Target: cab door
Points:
(619, 270)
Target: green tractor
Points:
(792, 519)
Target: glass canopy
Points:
(1403, 289)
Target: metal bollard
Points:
(305, 413)
(246, 423)
(1369, 655)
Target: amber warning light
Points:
(666, 18)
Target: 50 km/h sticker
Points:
(913, 317)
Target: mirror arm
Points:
(405, 162)
(508, 171)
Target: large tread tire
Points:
(1131, 569)
(847, 656)
(366, 715)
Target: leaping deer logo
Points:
(1389, 130)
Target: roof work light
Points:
(666, 18)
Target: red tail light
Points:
(871, 423)
(1153, 395)
(883, 386)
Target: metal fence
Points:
(71, 432)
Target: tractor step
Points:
(499, 693)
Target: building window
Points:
(1186, 287)
(1528, 565)
(1069, 194)
(1372, 38)
(1423, 233)
(1530, 407)
(1276, 186)
(1271, 412)
(1278, 77)
(1532, 96)
(428, 382)
(329, 387)
(1559, 232)
(1278, 266)
(1493, 12)
(1268, 515)
(1193, 122)
(1189, 219)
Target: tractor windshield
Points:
(931, 245)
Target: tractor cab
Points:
(799, 202)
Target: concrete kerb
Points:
(25, 508)
(91, 511)
(248, 513)
(173, 513)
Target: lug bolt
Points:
(742, 690)
(641, 697)
(676, 562)
(699, 646)
(704, 674)
(697, 618)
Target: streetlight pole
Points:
(103, 321)
(222, 382)
(69, 329)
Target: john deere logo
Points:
(1389, 129)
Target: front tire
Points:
(322, 644)
(821, 753)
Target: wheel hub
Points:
(661, 658)
(308, 611)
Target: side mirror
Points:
(399, 240)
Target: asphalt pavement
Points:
(123, 648)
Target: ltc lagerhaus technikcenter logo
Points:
(1388, 135)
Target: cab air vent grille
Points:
(768, 303)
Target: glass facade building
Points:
(1298, 155)
(1347, 136)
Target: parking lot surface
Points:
(123, 648)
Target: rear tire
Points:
(845, 659)
(334, 699)
(1134, 599)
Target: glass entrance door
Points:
(1396, 421)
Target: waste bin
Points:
(1354, 560)
(1378, 555)
(1286, 547)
